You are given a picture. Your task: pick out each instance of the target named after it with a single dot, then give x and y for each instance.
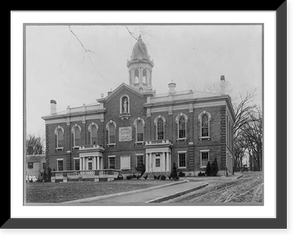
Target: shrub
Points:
(119, 177)
(143, 169)
(181, 174)
(201, 173)
(214, 168)
(129, 177)
(174, 175)
(163, 177)
(208, 170)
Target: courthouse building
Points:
(133, 125)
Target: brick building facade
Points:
(133, 125)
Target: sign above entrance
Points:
(125, 133)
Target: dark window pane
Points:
(60, 165)
(112, 162)
(140, 162)
(204, 132)
(157, 162)
(181, 157)
(160, 129)
(30, 165)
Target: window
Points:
(139, 124)
(112, 162)
(59, 137)
(136, 75)
(76, 130)
(60, 165)
(139, 162)
(111, 132)
(204, 119)
(204, 158)
(144, 76)
(90, 165)
(159, 122)
(204, 128)
(76, 165)
(157, 160)
(93, 133)
(181, 121)
(125, 162)
(182, 160)
(30, 165)
(160, 129)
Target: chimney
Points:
(52, 107)
(172, 86)
(222, 84)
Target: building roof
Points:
(35, 158)
(140, 51)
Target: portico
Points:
(158, 156)
(91, 157)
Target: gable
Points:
(123, 88)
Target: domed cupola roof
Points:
(140, 51)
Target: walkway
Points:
(142, 197)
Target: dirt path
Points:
(248, 189)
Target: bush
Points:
(129, 177)
(201, 173)
(163, 177)
(181, 174)
(214, 168)
(174, 175)
(207, 170)
(119, 177)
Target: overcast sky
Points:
(75, 71)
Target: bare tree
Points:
(34, 145)
(253, 134)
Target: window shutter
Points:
(55, 141)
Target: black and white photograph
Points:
(144, 114)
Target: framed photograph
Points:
(174, 121)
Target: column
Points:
(98, 162)
(147, 162)
(94, 163)
(162, 163)
(150, 162)
(83, 164)
(80, 159)
(101, 162)
(168, 162)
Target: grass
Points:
(61, 192)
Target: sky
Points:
(75, 64)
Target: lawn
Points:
(39, 192)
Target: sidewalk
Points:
(143, 197)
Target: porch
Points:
(84, 175)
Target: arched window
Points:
(181, 128)
(181, 121)
(139, 125)
(204, 126)
(76, 130)
(204, 119)
(136, 76)
(59, 137)
(111, 132)
(93, 133)
(144, 76)
(159, 122)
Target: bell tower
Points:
(140, 67)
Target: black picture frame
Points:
(280, 222)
